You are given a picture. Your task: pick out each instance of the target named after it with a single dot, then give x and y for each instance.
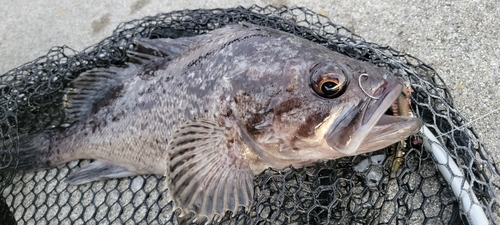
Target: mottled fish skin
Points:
(211, 111)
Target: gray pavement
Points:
(459, 39)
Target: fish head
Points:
(358, 98)
(329, 106)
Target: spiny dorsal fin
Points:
(207, 172)
(164, 47)
(153, 54)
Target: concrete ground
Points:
(459, 39)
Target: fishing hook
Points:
(361, 86)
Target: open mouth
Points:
(366, 127)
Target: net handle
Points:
(455, 178)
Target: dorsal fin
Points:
(153, 53)
(97, 87)
(93, 89)
(164, 47)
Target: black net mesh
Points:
(354, 190)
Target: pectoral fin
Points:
(207, 171)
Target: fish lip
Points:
(352, 133)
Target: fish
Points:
(210, 112)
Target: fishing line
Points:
(470, 122)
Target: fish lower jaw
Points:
(389, 130)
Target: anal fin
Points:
(207, 172)
(98, 171)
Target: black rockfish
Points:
(211, 111)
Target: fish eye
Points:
(328, 82)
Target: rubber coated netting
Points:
(354, 190)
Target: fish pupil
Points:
(329, 88)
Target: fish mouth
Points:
(366, 128)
